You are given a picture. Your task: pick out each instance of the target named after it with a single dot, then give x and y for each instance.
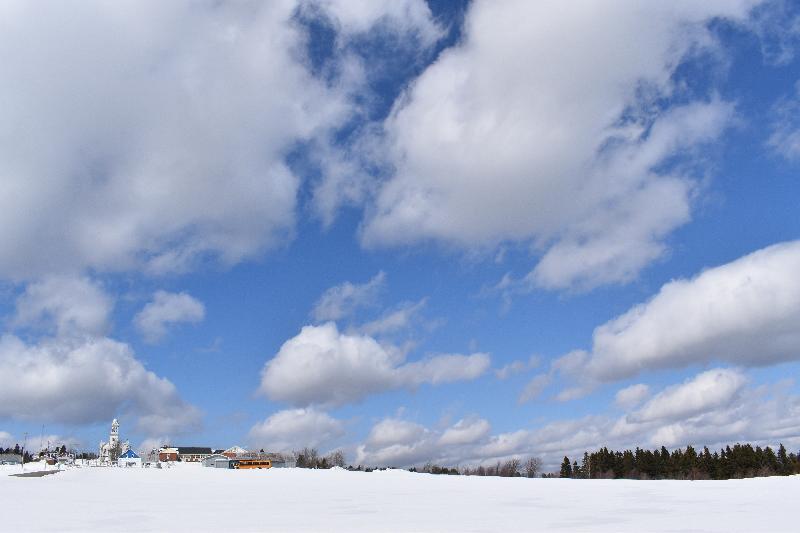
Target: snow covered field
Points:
(191, 498)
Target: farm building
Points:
(129, 458)
(216, 461)
(193, 454)
(10, 459)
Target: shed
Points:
(216, 461)
(129, 458)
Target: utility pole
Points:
(24, 443)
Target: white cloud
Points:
(534, 388)
(714, 408)
(465, 431)
(152, 135)
(152, 443)
(391, 431)
(342, 300)
(745, 312)
(78, 381)
(166, 309)
(711, 389)
(323, 366)
(631, 396)
(295, 428)
(6, 439)
(395, 320)
(571, 112)
(408, 17)
(785, 136)
(73, 305)
(516, 367)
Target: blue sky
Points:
(447, 231)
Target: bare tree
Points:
(307, 458)
(532, 466)
(336, 459)
(510, 468)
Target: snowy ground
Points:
(191, 498)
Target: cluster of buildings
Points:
(114, 453)
(218, 458)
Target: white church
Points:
(109, 452)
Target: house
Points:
(129, 458)
(167, 453)
(10, 459)
(192, 454)
(217, 460)
(235, 451)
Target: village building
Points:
(10, 459)
(108, 452)
(167, 453)
(129, 458)
(235, 451)
(192, 454)
(217, 460)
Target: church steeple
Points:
(113, 438)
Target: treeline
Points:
(739, 461)
(511, 468)
(16, 450)
(310, 458)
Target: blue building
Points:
(129, 458)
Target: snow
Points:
(192, 498)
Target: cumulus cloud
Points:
(395, 320)
(394, 442)
(295, 428)
(391, 431)
(708, 390)
(87, 380)
(516, 367)
(631, 396)
(67, 305)
(535, 387)
(153, 135)
(408, 17)
(745, 312)
(323, 366)
(713, 408)
(152, 443)
(166, 309)
(465, 431)
(342, 300)
(6, 439)
(579, 146)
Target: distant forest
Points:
(739, 461)
(736, 462)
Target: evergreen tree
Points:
(784, 466)
(566, 468)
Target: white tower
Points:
(113, 437)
